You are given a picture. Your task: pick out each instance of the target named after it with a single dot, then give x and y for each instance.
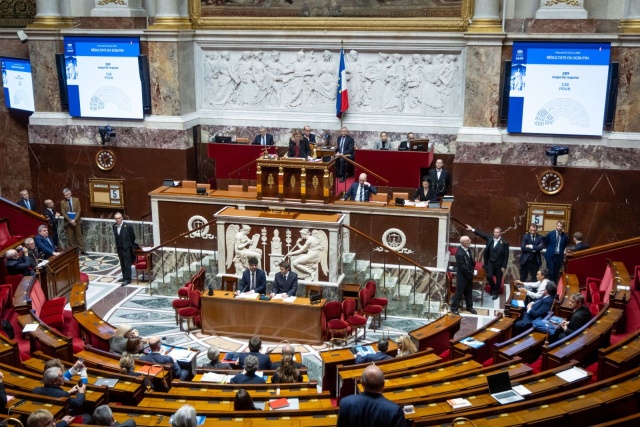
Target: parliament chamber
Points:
(179, 152)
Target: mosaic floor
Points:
(153, 315)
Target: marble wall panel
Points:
(111, 23)
(164, 68)
(98, 234)
(557, 26)
(15, 173)
(45, 75)
(604, 206)
(186, 76)
(54, 167)
(482, 92)
(628, 106)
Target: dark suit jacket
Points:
(578, 319)
(419, 194)
(258, 139)
(527, 254)
(466, 265)
(540, 308)
(161, 359)
(24, 205)
(55, 391)
(261, 281)
(502, 247)
(264, 361)
(18, 266)
(370, 410)
(51, 216)
(578, 247)
(303, 152)
(375, 357)
(352, 193)
(311, 139)
(349, 146)
(442, 185)
(550, 241)
(247, 379)
(290, 286)
(45, 247)
(127, 240)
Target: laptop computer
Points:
(500, 388)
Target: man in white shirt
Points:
(535, 290)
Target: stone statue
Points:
(311, 252)
(240, 247)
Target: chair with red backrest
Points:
(142, 265)
(6, 239)
(354, 320)
(370, 310)
(189, 313)
(371, 285)
(48, 311)
(181, 302)
(336, 327)
(596, 304)
(595, 291)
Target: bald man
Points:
(371, 408)
(360, 191)
(464, 277)
(156, 356)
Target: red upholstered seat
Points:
(371, 285)
(84, 277)
(14, 280)
(48, 311)
(190, 312)
(335, 325)
(142, 265)
(368, 309)
(178, 304)
(596, 304)
(6, 239)
(183, 292)
(354, 320)
(6, 296)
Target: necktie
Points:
(263, 141)
(26, 202)
(49, 242)
(361, 197)
(285, 278)
(557, 242)
(253, 280)
(342, 145)
(70, 206)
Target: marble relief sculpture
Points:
(429, 84)
(310, 250)
(240, 247)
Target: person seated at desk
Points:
(535, 290)
(580, 317)
(214, 359)
(298, 147)
(249, 375)
(360, 191)
(135, 347)
(384, 143)
(287, 371)
(425, 193)
(255, 344)
(44, 418)
(285, 281)
(578, 244)
(103, 416)
(383, 346)
(44, 243)
(263, 138)
(306, 134)
(536, 309)
(288, 349)
(253, 279)
(16, 264)
(53, 380)
(118, 343)
(243, 401)
(155, 356)
(406, 145)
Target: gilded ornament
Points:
(270, 180)
(315, 182)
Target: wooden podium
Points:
(296, 179)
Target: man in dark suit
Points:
(44, 418)
(537, 309)
(155, 356)
(580, 317)
(27, 202)
(31, 253)
(306, 134)
(253, 279)
(440, 179)
(346, 147)
(71, 211)
(249, 375)
(255, 344)
(263, 138)
(371, 408)
(496, 255)
(16, 264)
(406, 145)
(44, 243)
(555, 242)
(381, 354)
(360, 191)
(53, 379)
(125, 239)
(52, 217)
(578, 244)
(531, 258)
(298, 147)
(103, 416)
(464, 277)
(286, 281)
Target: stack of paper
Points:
(212, 377)
(458, 403)
(573, 374)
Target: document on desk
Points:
(289, 299)
(212, 377)
(30, 327)
(573, 374)
(249, 295)
(180, 354)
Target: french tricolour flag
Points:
(342, 100)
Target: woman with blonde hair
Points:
(287, 372)
(127, 365)
(406, 346)
(118, 343)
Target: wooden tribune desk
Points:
(295, 179)
(299, 321)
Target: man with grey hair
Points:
(371, 408)
(464, 277)
(156, 356)
(53, 380)
(185, 417)
(103, 416)
(16, 264)
(31, 253)
(263, 138)
(44, 418)
(249, 375)
(214, 359)
(44, 243)
(71, 212)
(26, 201)
(52, 217)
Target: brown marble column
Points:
(628, 105)
(43, 44)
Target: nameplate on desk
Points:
(279, 214)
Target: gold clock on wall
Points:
(551, 182)
(105, 159)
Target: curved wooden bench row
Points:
(25, 402)
(437, 334)
(497, 330)
(49, 340)
(96, 331)
(620, 357)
